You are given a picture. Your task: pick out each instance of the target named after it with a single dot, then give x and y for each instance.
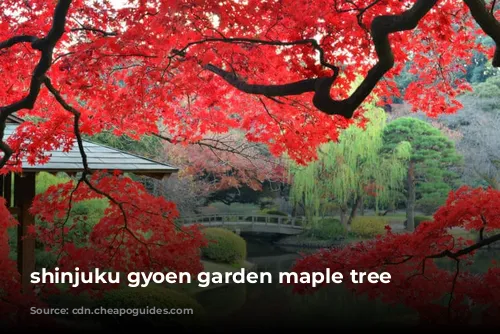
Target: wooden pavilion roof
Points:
(99, 157)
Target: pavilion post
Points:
(7, 188)
(24, 193)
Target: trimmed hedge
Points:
(86, 214)
(328, 229)
(429, 204)
(224, 246)
(92, 209)
(274, 212)
(152, 296)
(421, 219)
(418, 220)
(368, 227)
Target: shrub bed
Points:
(224, 246)
(368, 227)
(421, 219)
(274, 212)
(328, 229)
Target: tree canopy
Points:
(429, 171)
(352, 169)
(281, 72)
(289, 68)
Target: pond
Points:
(274, 305)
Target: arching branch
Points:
(309, 41)
(488, 23)
(381, 27)
(294, 88)
(46, 46)
(76, 122)
(16, 40)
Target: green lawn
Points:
(464, 234)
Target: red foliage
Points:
(417, 280)
(137, 232)
(122, 69)
(9, 280)
(103, 70)
(226, 161)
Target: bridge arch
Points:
(273, 224)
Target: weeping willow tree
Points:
(349, 170)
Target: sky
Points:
(118, 3)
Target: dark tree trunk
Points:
(410, 204)
(343, 214)
(354, 209)
(362, 207)
(386, 212)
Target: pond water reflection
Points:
(254, 305)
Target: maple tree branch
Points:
(488, 23)
(46, 46)
(125, 227)
(168, 139)
(122, 210)
(294, 88)
(95, 30)
(76, 125)
(57, 95)
(314, 43)
(70, 207)
(422, 272)
(218, 145)
(271, 115)
(76, 129)
(68, 213)
(16, 40)
(47, 82)
(381, 27)
(481, 231)
(361, 11)
(467, 250)
(406, 259)
(453, 285)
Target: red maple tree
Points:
(417, 281)
(282, 72)
(225, 161)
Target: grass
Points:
(396, 219)
(458, 232)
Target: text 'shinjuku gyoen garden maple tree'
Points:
(280, 71)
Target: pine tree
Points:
(430, 169)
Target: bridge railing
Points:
(222, 219)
